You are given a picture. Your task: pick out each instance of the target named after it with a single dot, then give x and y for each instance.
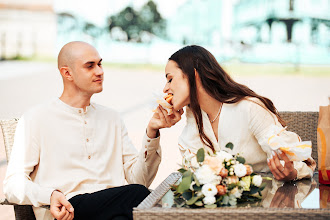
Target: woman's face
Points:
(177, 85)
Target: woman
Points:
(220, 110)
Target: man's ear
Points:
(66, 73)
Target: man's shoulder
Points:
(39, 110)
(106, 111)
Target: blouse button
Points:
(85, 122)
(89, 157)
(87, 140)
(79, 111)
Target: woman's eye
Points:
(100, 64)
(170, 81)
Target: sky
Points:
(96, 11)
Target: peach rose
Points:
(249, 170)
(232, 179)
(214, 163)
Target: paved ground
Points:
(23, 85)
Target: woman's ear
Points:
(198, 80)
(66, 73)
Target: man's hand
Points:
(60, 207)
(161, 120)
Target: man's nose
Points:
(99, 71)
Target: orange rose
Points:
(223, 173)
(221, 190)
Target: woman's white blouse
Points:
(245, 124)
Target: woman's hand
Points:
(160, 119)
(285, 196)
(283, 173)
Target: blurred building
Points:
(196, 22)
(27, 28)
(283, 30)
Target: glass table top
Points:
(306, 193)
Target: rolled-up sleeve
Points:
(140, 167)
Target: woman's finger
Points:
(277, 166)
(177, 117)
(288, 164)
(161, 115)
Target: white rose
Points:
(236, 192)
(257, 180)
(223, 156)
(209, 200)
(209, 190)
(206, 175)
(240, 170)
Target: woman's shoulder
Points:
(245, 105)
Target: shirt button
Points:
(79, 111)
(85, 122)
(148, 140)
(87, 140)
(89, 157)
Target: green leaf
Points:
(182, 170)
(187, 195)
(267, 178)
(240, 159)
(213, 206)
(200, 155)
(231, 186)
(197, 188)
(192, 200)
(254, 190)
(230, 145)
(199, 203)
(185, 183)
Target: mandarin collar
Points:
(79, 111)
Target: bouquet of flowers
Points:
(216, 180)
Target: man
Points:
(75, 155)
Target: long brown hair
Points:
(216, 82)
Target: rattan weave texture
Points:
(230, 214)
(305, 125)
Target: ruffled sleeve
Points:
(264, 125)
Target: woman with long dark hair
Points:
(220, 110)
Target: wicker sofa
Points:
(303, 123)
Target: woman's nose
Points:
(165, 88)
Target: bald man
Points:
(75, 155)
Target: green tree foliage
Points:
(136, 24)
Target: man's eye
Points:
(100, 64)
